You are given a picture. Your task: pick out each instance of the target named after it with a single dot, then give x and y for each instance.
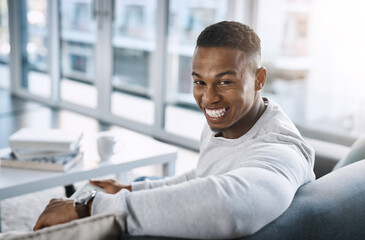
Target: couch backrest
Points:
(332, 207)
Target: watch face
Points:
(83, 196)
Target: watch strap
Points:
(82, 210)
(82, 206)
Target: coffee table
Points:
(137, 151)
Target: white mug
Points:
(108, 145)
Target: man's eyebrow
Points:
(230, 72)
(195, 74)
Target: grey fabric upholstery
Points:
(332, 207)
(99, 227)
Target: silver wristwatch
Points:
(81, 203)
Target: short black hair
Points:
(232, 35)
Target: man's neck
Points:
(249, 121)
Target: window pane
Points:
(78, 39)
(4, 45)
(186, 20)
(134, 43)
(35, 76)
(314, 58)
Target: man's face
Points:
(224, 88)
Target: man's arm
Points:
(113, 186)
(62, 210)
(223, 206)
(237, 203)
(169, 181)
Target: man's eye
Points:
(224, 82)
(198, 82)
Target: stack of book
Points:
(44, 149)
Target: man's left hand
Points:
(57, 211)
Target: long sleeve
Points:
(230, 205)
(137, 186)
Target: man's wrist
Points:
(83, 206)
(89, 205)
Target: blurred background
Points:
(128, 62)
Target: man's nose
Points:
(210, 96)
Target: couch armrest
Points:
(106, 226)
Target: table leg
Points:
(69, 190)
(168, 169)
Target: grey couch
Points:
(331, 207)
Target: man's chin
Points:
(217, 130)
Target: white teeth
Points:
(215, 113)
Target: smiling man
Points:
(252, 158)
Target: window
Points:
(313, 54)
(4, 45)
(186, 20)
(122, 62)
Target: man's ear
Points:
(260, 78)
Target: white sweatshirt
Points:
(238, 187)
